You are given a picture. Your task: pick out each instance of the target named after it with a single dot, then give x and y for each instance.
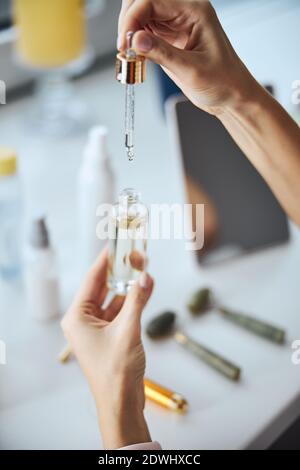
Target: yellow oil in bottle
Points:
(128, 245)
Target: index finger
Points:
(126, 4)
(133, 18)
(94, 286)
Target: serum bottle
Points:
(128, 241)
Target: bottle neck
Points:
(129, 196)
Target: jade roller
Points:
(202, 301)
(164, 325)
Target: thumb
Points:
(136, 299)
(159, 51)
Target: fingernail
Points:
(144, 280)
(144, 43)
(119, 42)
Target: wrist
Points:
(248, 110)
(120, 413)
(246, 95)
(122, 428)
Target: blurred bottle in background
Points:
(51, 39)
(96, 186)
(51, 32)
(10, 216)
(40, 270)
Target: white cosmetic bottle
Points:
(95, 187)
(41, 280)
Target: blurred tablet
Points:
(241, 212)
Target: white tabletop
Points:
(46, 405)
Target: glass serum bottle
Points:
(127, 241)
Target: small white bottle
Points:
(10, 216)
(41, 280)
(95, 187)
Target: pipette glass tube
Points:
(130, 104)
(130, 71)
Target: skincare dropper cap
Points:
(130, 71)
(38, 237)
(130, 67)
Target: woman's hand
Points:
(187, 39)
(107, 344)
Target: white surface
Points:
(46, 405)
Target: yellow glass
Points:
(51, 32)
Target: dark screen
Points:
(246, 214)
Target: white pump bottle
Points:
(95, 187)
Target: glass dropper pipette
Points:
(130, 71)
(129, 104)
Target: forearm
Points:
(121, 418)
(122, 430)
(271, 140)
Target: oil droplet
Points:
(130, 153)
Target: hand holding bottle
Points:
(107, 344)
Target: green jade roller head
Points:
(202, 301)
(164, 325)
